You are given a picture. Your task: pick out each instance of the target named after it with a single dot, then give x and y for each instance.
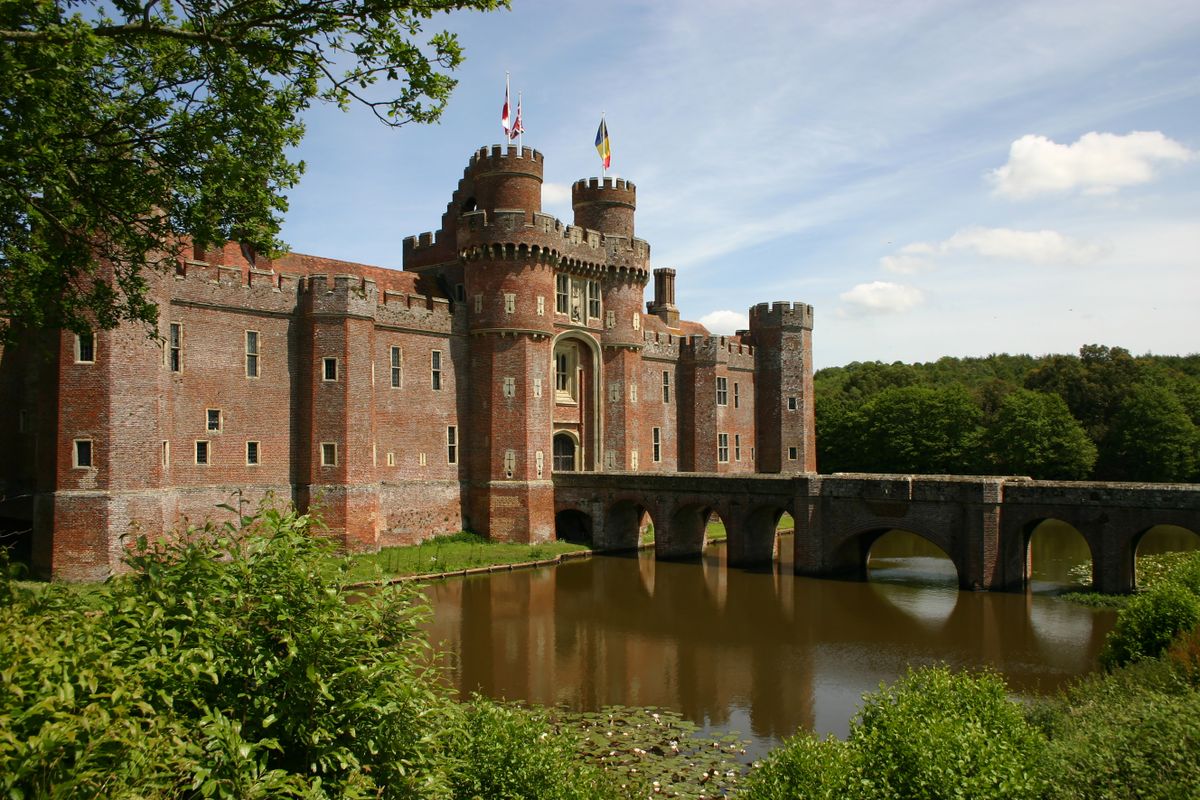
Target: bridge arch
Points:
(573, 525)
(1163, 538)
(683, 532)
(850, 550)
(752, 536)
(623, 524)
(1039, 529)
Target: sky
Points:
(936, 178)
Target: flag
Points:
(504, 121)
(602, 145)
(517, 127)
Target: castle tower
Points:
(606, 205)
(508, 274)
(785, 421)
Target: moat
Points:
(763, 653)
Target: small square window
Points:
(791, 454)
(85, 348)
(214, 420)
(201, 452)
(329, 369)
(791, 404)
(328, 454)
(83, 454)
(251, 453)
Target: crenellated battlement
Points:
(501, 160)
(604, 188)
(515, 232)
(718, 349)
(781, 314)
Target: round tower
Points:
(505, 177)
(606, 205)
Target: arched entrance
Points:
(1057, 557)
(575, 365)
(572, 525)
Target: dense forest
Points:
(1103, 414)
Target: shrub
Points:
(507, 752)
(932, 734)
(1148, 623)
(804, 766)
(1132, 733)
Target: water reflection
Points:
(764, 653)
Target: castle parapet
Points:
(781, 314)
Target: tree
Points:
(1151, 439)
(922, 430)
(1034, 434)
(126, 127)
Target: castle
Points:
(408, 403)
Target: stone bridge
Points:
(983, 524)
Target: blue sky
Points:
(936, 178)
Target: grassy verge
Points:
(1151, 570)
(452, 553)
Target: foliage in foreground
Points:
(230, 663)
(934, 733)
(1150, 621)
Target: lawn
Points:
(452, 553)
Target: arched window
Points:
(566, 367)
(564, 453)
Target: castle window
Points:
(540, 460)
(213, 421)
(723, 448)
(201, 452)
(722, 391)
(510, 386)
(435, 369)
(562, 293)
(566, 368)
(166, 453)
(251, 453)
(737, 398)
(328, 454)
(510, 303)
(564, 453)
(666, 386)
(81, 457)
(478, 304)
(391, 459)
(421, 459)
(637, 320)
(451, 444)
(656, 440)
(633, 391)
(329, 369)
(460, 293)
(397, 361)
(251, 354)
(593, 298)
(791, 454)
(510, 463)
(614, 392)
(175, 347)
(374, 454)
(633, 458)
(85, 348)
(791, 404)
(610, 319)
(537, 387)
(737, 444)
(541, 306)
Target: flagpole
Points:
(521, 133)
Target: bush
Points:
(230, 663)
(1132, 733)
(507, 752)
(932, 734)
(1149, 622)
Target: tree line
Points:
(1103, 414)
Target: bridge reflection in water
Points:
(762, 652)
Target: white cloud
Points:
(1004, 244)
(1098, 163)
(881, 297)
(556, 194)
(725, 321)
